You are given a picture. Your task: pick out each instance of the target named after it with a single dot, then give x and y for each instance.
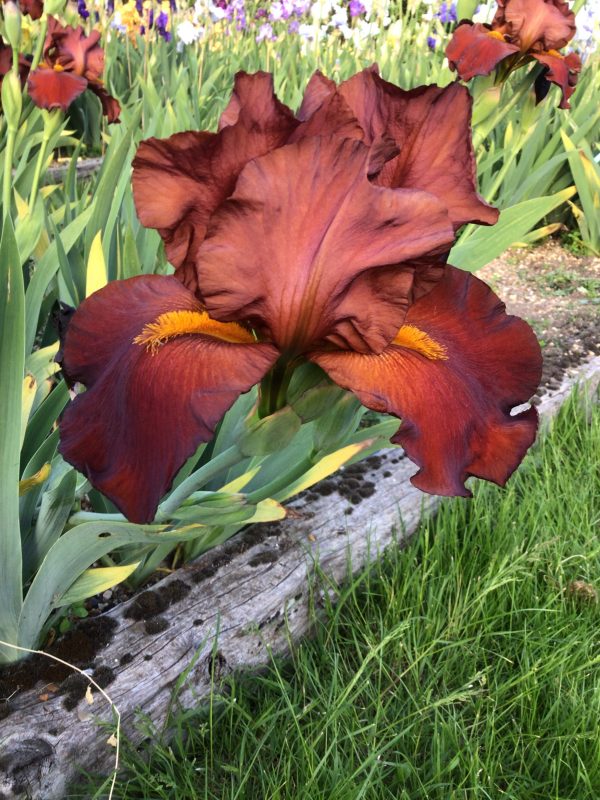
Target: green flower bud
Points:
(12, 24)
(54, 7)
(12, 99)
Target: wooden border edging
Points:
(251, 591)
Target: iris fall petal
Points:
(455, 403)
(476, 50)
(147, 407)
(560, 70)
(49, 88)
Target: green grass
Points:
(466, 665)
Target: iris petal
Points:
(431, 128)
(150, 403)
(455, 402)
(475, 50)
(560, 70)
(543, 24)
(49, 88)
(179, 182)
(311, 249)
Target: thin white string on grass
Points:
(117, 734)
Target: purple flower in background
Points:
(447, 13)
(265, 32)
(300, 7)
(82, 9)
(173, 4)
(356, 8)
(261, 13)
(431, 42)
(281, 9)
(139, 7)
(110, 6)
(161, 23)
(294, 26)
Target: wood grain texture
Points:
(237, 604)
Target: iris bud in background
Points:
(12, 24)
(12, 99)
(54, 7)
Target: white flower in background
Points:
(188, 33)
(321, 10)
(587, 35)
(394, 31)
(117, 23)
(485, 12)
(206, 8)
(340, 17)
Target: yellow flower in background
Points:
(128, 20)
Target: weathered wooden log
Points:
(226, 612)
(85, 167)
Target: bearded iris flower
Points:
(521, 31)
(33, 8)
(320, 236)
(73, 62)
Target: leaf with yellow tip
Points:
(96, 267)
(93, 581)
(237, 484)
(29, 391)
(325, 467)
(267, 511)
(39, 477)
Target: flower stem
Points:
(39, 48)
(228, 458)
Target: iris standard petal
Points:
(72, 50)
(560, 70)
(318, 89)
(50, 88)
(295, 248)
(476, 49)
(179, 182)
(159, 375)
(431, 128)
(33, 8)
(254, 98)
(457, 368)
(543, 24)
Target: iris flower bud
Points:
(12, 99)
(12, 24)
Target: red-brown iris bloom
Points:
(323, 236)
(33, 8)
(73, 62)
(521, 30)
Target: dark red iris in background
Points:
(73, 62)
(522, 30)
